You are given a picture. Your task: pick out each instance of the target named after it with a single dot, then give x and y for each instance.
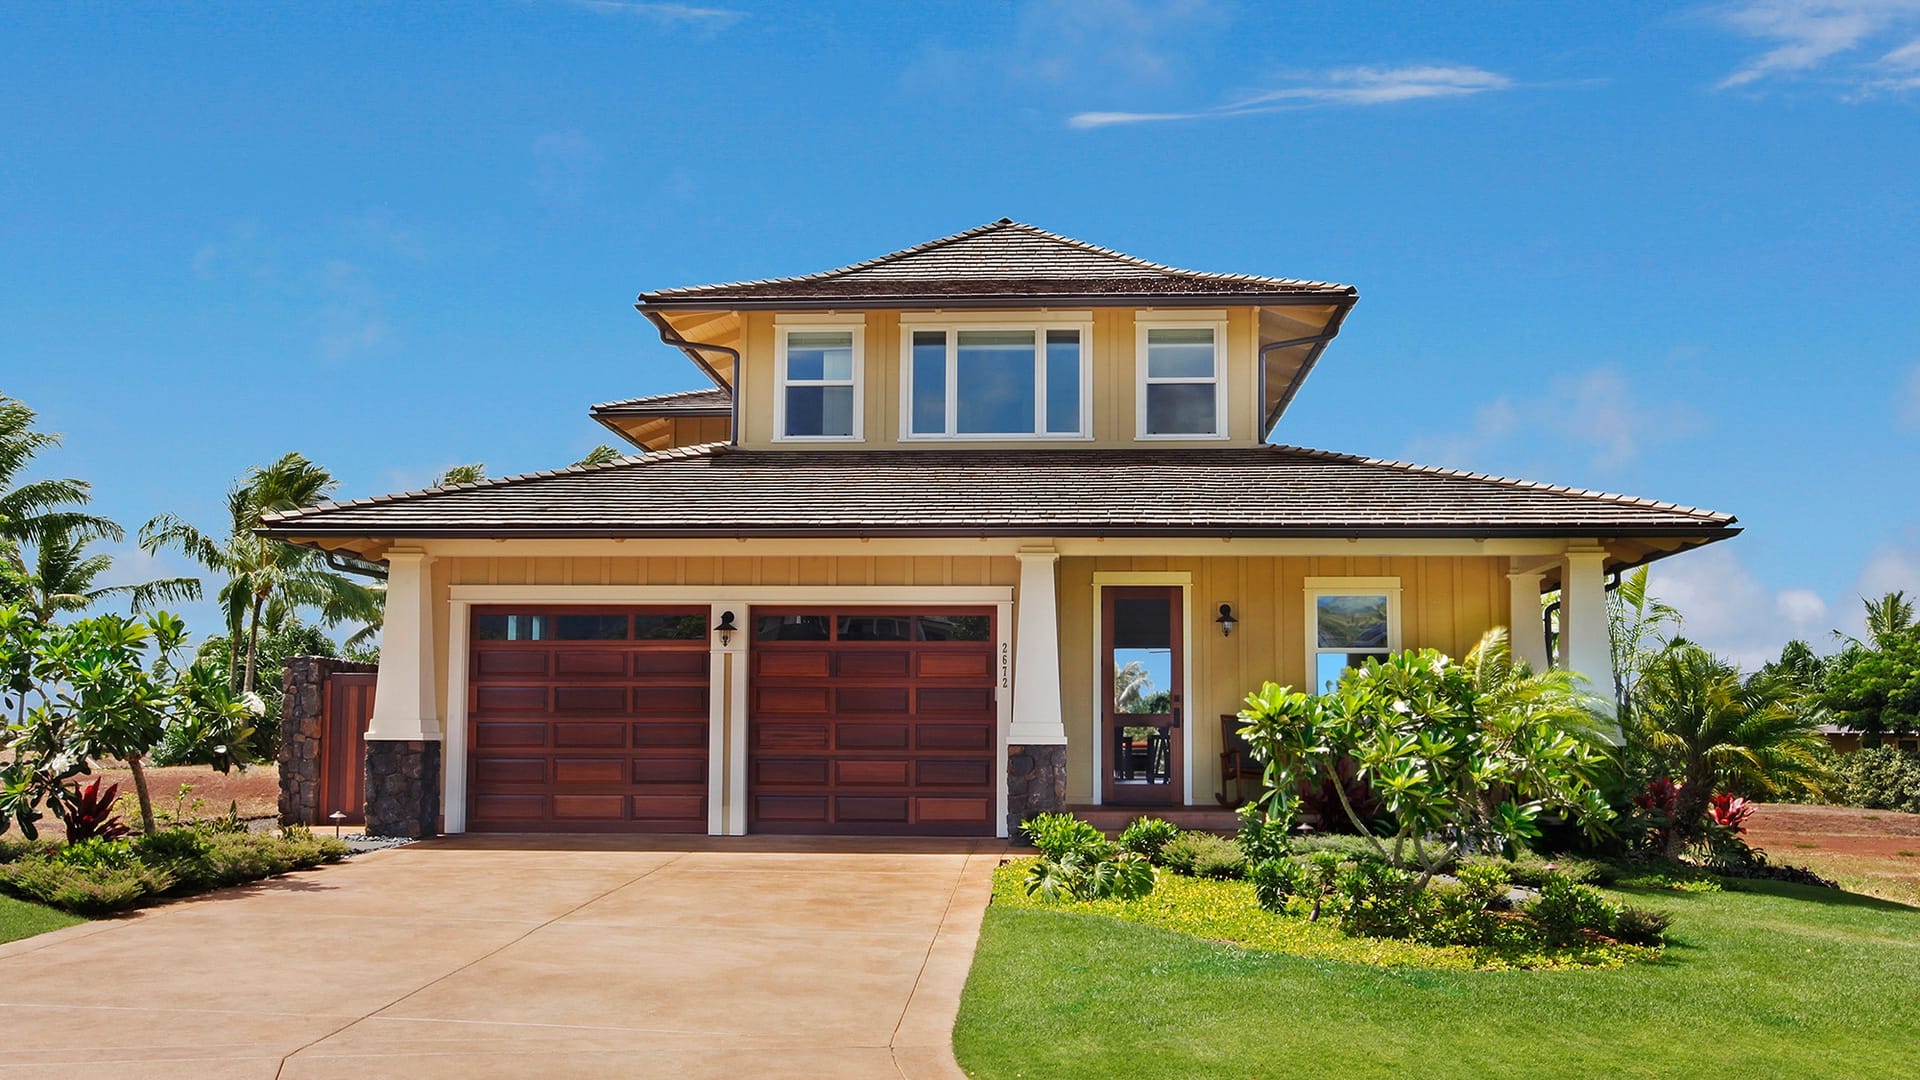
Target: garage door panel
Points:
(952, 737)
(579, 733)
(789, 736)
(589, 770)
(657, 735)
(590, 807)
(873, 665)
(887, 726)
(953, 773)
(574, 699)
(849, 736)
(490, 663)
(650, 771)
(874, 773)
(590, 663)
(511, 698)
(494, 733)
(496, 770)
(953, 811)
(872, 808)
(588, 728)
(873, 699)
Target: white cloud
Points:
(1600, 413)
(670, 16)
(1074, 47)
(1822, 36)
(1730, 611)
(1342, 87)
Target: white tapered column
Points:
(1526, 630)
(1036, 657)
(406, 703)
(1585, 645)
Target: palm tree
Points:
(1715, 731)
(1639, 627)
(462, 474)
(266, 576)
(59, 578)
(34, 509)
(1887, 618)
(1132, 686)
(600, 455)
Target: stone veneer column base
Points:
(1036, 783)
(303, 685)
(403, 788)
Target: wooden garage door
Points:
(877, 721)
(588, 720)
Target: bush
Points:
(1570, 914)
(1346, 845)
(1530, 871)
(1198, 854)
(1878, 778)
(1060, 835)
(98, 876)
(1262, 835)
(1379, 900)
(1147, 836)
(1639, 926)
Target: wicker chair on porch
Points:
(1237, 765)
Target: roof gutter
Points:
(649, 305)
(693, 349)
(1320, 341)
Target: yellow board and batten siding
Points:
(1113, 383)
(1447, 602)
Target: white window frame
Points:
(1038, 327)
(1145, 322)
(1318, 587)
(782, 329)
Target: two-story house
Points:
(971, 530)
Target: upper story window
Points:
(819, 395)
(1182, 391)
(994, 382)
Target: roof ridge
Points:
(1508, 481)
(651, 398)
(679, 452)
(991, 226)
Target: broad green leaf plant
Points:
(1463, 756)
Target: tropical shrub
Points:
(88, 813)
(1463, 756)
(1147, 836)
(1199, 854)
(1568, 914)
(1078, 862)
(1878, 778)
(99, 876)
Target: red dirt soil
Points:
(1784, 828)
(257, 791)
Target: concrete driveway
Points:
(525, 956)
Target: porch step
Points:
(1112, 819)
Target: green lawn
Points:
(1780, 981)
(19, 919)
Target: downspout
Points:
(1268, 420)
(1547, 613)
(672, 337)
(347, 564)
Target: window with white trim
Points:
(985, 382)
(1348, 621)
(819, 369)
(1182, 383)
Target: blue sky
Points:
(1667, 250)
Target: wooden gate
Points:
(346, 707)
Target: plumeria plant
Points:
(1463, 756)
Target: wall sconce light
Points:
(726, 629)
(1226, 620)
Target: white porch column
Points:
(1036, 656)
(406, 697)
(1525, 630)
(1585, 645)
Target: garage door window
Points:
(512, 628)
(590, 628)
(669, 627)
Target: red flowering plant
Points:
(1730, 812)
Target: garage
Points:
(588, 719)
(877, 721)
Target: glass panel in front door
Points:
(1144, 690)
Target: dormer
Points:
(1005, 335)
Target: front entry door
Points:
(1141, 665)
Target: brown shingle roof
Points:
(712, 401)
(717, 490)
(1004, 261)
